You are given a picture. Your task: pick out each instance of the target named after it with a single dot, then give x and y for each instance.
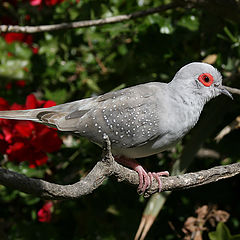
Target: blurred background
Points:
(48, 68)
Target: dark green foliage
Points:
(73, 64)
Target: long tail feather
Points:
(21, 114)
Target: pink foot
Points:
(145, 179)
(157, 177)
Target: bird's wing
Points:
(128, 117)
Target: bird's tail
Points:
(31, 114)
(51, 117)
(65, 117)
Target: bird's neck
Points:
(188, 96)
(188, 107)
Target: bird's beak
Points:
(224, 91)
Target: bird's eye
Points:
(206, 79)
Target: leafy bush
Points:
(71, 64)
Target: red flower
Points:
(24, 129)
(3, 104)
(49, 103)
(46, 135)
(3, 144)
(16, 150)
(26, 140)
(8, 86)
(8, 135)
(16, 106)
(35, 50)
(35, 2)
(21, 83)
(38, 159)
(52, 2)
(27, 17)
(10, 54)
(31, 102)
(45, 213)
(18, 37)
(46, 2)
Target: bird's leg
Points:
(145, 178)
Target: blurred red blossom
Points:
(20, 37)
(26, 140)
(46, 2)
(45, 213)
(35, 2)
(18, 83)
(9, 54)
(8, 86)
(35, 50)
(27, 17)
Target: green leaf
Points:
(17, 65)
(119, 87)
(20, 50)
(58, 96)
(14, 69)
(222, 233)
(165, 24)
(69, 66)
(190, 22)
(229, 34)
(74, 13)
(49, 46)
(122, 49)
(23, 168)
(93, 85)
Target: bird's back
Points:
(130, 117)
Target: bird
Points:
(141, 120)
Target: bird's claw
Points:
(146, 179)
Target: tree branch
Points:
(233, 90)
(88, 23)
(108, 167)
(225, 7)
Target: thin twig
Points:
(104, 70)
(235, 124)
(88, 23)
(233, 90)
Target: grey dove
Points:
(140, 121)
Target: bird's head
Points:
(201, 79)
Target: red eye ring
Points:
(206, 79)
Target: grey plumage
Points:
(140, 120)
